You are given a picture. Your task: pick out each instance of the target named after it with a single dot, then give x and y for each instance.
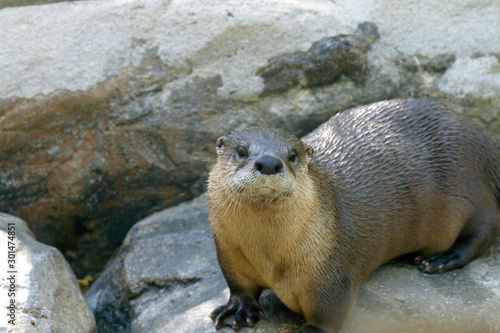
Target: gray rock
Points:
(16, 3)
(166, 279)
(47, 294)
(323, 63)
(227, 37)
(439, 63)
(404, 299)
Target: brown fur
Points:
(386, 179)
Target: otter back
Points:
(410, 166)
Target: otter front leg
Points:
(243, 307)
(239, 311)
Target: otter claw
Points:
(441, 262)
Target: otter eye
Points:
(292, 157)
(242, 152)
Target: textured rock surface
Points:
(109, 109)
(47, 293)
(166, 279)
(82, 167)
(324, 63)
(17, 3)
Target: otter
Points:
(312, 218)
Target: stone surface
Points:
(166, 279)
(17, 3)
(81, 167)
(404, 299)
(228, 37)
(324, 63)
(109, 109)
(47, 294)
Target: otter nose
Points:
(268, 165)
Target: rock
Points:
(16, 3)
(323, 63)
(47, 295)
(403, 299)
(82, 167)
(109, 109)
(439, 63)
(166, 279)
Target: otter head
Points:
(261, 164)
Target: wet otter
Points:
(312, 218)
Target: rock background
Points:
(109, 109)
(166, 279)
(47, 294)
(18, 3)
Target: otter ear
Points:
(220, 144)
(309, 152)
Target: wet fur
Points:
(386, 179)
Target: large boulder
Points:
(109, 109)
(39, 290)
(166, 279)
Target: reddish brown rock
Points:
(82, 167)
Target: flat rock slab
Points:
(47, 294)
(166, 279)
(404, 299)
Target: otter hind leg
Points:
(442, 262)
(471, 243)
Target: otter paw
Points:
(240, 311)
(439, 263)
